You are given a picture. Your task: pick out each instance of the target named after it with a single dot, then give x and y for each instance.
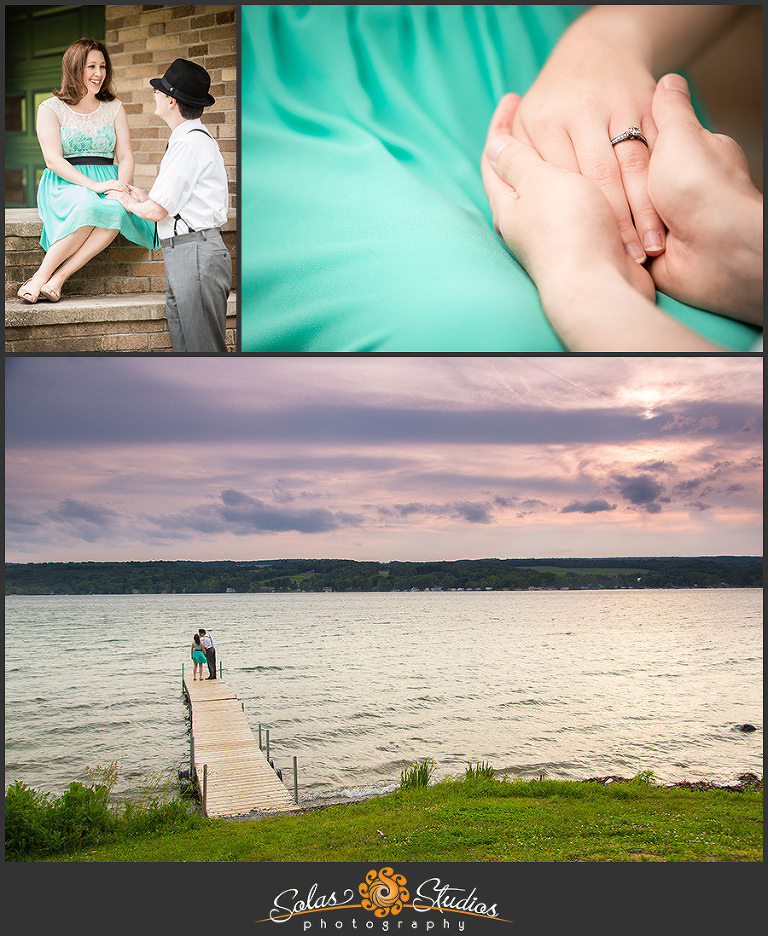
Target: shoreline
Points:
(744, 782)
(393, 591)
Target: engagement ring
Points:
(633, 133)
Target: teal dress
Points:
(365, 224)
(65, 207)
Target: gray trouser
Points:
(198, 277)
(210, 656)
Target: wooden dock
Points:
(238, 777)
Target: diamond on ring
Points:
(632, 133)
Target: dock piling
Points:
(296, 780)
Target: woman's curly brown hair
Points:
(73, 87)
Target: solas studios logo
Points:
(384, 902)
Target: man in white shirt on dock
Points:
(210, 652)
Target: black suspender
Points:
(178, 217)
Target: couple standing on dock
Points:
(203, 651)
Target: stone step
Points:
(125, 322)
(123, 267)
(115, 303)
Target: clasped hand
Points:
(129, 194)
(558, 221)
(111, 185)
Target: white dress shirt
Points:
(192, 182)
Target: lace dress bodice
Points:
(86, 134)
(65, 207)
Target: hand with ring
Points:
(599, 82)
(588, 93)
(556, 222)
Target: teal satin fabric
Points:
(365, 225)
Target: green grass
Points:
(475, 819)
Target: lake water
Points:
(358, 686)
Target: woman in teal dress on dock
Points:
(82, 130)
(198, 656)
(365, 225)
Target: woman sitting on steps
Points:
(82, 130)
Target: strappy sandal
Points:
(50, 294)
(25, 295)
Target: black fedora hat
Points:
(186, 81)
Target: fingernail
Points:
(674, 82)
(495, 146)
(635, 251)
(653, 242)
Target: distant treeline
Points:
(317, 575)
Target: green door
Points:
(35, 40)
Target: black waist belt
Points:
(90, 160)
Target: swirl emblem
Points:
(384, 892)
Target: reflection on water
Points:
(358, 686)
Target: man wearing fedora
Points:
(188, 200)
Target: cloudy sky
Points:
(382, 457)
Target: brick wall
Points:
(142, 42)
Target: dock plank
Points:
(239, 778)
